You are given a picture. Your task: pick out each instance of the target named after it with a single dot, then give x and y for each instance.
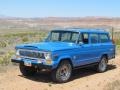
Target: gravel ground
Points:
(82, 79)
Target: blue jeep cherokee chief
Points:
(64, 50)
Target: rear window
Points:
(104, 38)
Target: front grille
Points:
(31, 54)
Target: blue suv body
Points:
(64, 50)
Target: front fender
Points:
(57, 61)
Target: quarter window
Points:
(104, 38)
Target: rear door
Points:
(95, 46)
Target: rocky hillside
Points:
(52, 22)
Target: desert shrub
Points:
(117, 42)
(3, 44)
(1, 60)
(24, 39)
(5, 59)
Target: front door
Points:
(85, 51)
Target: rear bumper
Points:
(38, 65)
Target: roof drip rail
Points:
(100, 29)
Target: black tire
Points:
(102, 66)
(63, 73)
(27, 71)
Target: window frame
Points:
(51, 36)
(81, 37)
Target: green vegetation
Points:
(5, 59)
(9, 40)
(3, 44)
(116, 37)
(117, 42)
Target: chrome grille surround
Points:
(31, 54)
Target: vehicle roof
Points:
(86, 30)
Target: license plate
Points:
(27, 63)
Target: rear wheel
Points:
(27, 71)
(102, 66)
(63, 72)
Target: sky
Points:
(60, 8)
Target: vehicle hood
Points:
(48, 46)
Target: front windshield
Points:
(63, 36)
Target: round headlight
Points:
(47, 56)
(17, 52)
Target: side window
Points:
(94, 38)
(104, 38)
(85, 38)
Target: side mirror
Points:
(46, 40)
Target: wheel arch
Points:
(105, 55)
(66, 59)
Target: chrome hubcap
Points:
(64, 72)
(103, 65)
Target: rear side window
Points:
(104, 38)
(94, 38)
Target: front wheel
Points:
(63, 72)
(102, 66)
(27, 71)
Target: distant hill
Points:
(57, 22)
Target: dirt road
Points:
(82, 79)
